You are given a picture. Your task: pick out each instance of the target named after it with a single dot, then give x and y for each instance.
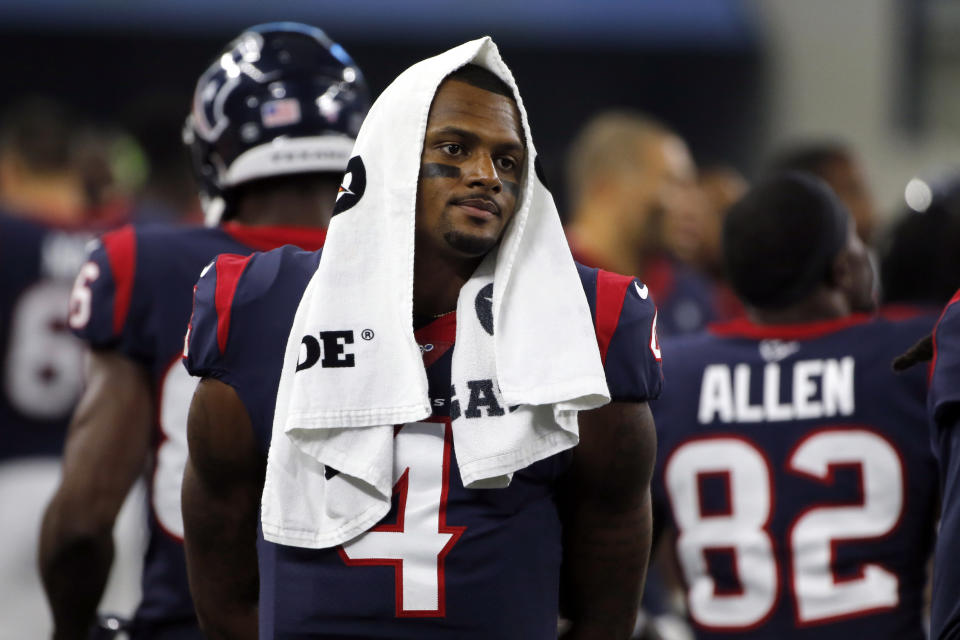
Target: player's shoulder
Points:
(625, 320)
(240, 298)
(949, 320)
(269, 275)
(945, 369)
(898, 331)
(610, 293)
(234, 281)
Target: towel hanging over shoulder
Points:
(525, 352)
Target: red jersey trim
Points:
(443, 329)
(744, 328)
(266, 238)
(936, 328)
(659, 275)
(897, 312)
(121, 249)
(611, 292)
(229, 269)
(436, 338)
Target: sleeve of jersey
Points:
(625, 319)
(205, 345)
(945, 379)
(102, 303)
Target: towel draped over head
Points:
(525, 350)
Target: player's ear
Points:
(841, 274)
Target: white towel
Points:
(541, 361)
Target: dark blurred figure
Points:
(99, 162)
(794, 464)
(636, 209)
(920, 263)
(46, 219)
(270, 142)
(38, 177)
(838, 165)
(167, 190)
(721, 186)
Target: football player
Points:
(271, 127)
(45, 223)
(943, 405)
(793, 463)
(637, 209)
(498, 574)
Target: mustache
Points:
(480, 202)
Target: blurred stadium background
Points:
(737, 79)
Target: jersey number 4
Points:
(741, 529)
(416, 545)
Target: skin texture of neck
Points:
(823, 304)
(303, 204)
(437, 279)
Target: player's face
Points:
(470, 170)
(847, 179)
(859, 284)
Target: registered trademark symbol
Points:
(367, 334)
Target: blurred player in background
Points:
(943, 405)
(793, 463)
(838, 165)
(271, 128)
(46, 219)
(920, 262)
(721, 187)
(166, 188)
(636, 209)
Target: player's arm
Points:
(607, 520)
(220, 497)
(106, 450)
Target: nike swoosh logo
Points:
(641, 292)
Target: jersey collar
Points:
(744, 328)
(264, 238)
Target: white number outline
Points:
(170, 454)
(827, 479)
(763, 616)
(402, 475)
(81, 297)
(654, 338)
(37, 334)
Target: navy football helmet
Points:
(281, 98)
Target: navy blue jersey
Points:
(794, 466)
(944, 408)
(42, 364)
(134, 296)
(487, 564)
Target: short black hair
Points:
(482, 78)
(780, 239)
(810, 157)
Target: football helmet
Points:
(281, 98)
